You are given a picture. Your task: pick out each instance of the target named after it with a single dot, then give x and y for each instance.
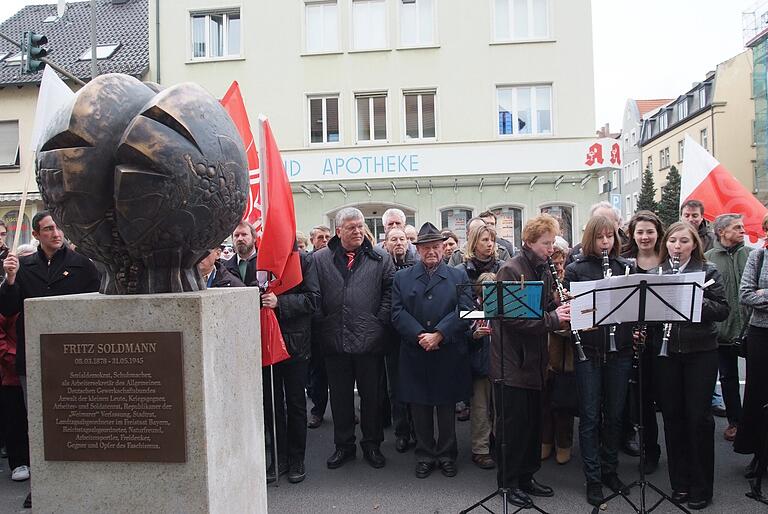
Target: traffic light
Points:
(33, 51)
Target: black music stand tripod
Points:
(510, 305)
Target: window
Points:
(214, 34)
(322, 27)
(9, 143)
(516, 20)
(371, 117)
(509, 224)
(664, 158)
(614, 179)
(633, 138)
(417, 22)
(680, 150)
(682, 109)
(702, 97)
(102, 52)
(369, 26)
(602, 185)
(14, 59)
(529, 106)
(650, 163)
(455, 219)
(627, 207)
(419, 114)
(663, 121)
(564, 215)
(635, 200)
(324, 119)
(704, 138)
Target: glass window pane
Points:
(428, 115)
(409, 24)
(544, 110)
(314, 19)
(368, 22)
(520, 19)
(426, 24)
(363, 119)
(523, 110)
(411, 116)
(540, 19)
(198, 36)
(501, 21)
(564, 215)
(509, 223)
(455, 220)
(9, 142)
(332, 119)
(216, 28)
(330, 28)
(316, 120)
(380, 117)
(233, 39)
(505, 111)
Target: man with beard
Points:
(243, 264)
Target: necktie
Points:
(242, 265)
(350, 260)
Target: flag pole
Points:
(263, 192)
(22, 207)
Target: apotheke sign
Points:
(433, 160)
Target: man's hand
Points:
(481, 332)
(269, 300)
(564, 315)
(11, 267)
(430, 341)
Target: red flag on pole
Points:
(234, 105)
(278, 252)
(703, 178)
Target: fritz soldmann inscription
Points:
(113, 397)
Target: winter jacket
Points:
(355, 304)
(754, 287)
(295, 309)
(730, 263)
(457, 257)
(68, 272)
(525, 340)
(707, 236)
(224, 277)
(596, 341)
(699, 337)
(233, 266)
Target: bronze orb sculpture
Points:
(144, 181)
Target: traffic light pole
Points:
(47, 62)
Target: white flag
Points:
(54, 94)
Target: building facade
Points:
(755, 25)
(718, 113)
(442, 109)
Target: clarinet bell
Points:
(612, 341)
(663, 352)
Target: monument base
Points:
(108, 414)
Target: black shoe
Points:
(28, 501)
(314, 421)
(518, 498)
(340, 456)
(424, 469)
(374, 457)
(679, 496)
(448, 468)
(595, 493)
(698, 504)
(296, 473)
(283, 469)
(401, 444)
(614, 483)
(534, 488)
(631, 445)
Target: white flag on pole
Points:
(54, 94)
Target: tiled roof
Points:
(645, 106)
(124, 23)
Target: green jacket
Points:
(730, 262)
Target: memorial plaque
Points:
(113, 397)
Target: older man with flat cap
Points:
(434, 362)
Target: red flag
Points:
(272, 343)
(703, 178)
(234, 105)
(278, 252)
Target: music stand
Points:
(504, 300)
(642, 289)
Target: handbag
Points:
(564, 396)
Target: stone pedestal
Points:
(221, 363)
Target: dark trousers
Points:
(684, 389)
(398, 409)
(648, 408)
(15, 414)
(427, 448)
(518, 433)
(556, 426)
(602, 388)
(317, 383)
(290, 409)
(728, 364)
(343, 371)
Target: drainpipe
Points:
(157, 41)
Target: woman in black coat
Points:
(686, 377)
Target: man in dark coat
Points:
(243, 264)
(317, 378)
(519, 379)
(352, 323)
(434, 356)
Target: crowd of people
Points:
(383, 319)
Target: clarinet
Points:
(563, 300)
(607, 273)
(668, 326)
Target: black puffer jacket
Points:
(597, 341)
(295, 309)
(355, 304)
(224, 278)
(698, 337)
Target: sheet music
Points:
(621, 294)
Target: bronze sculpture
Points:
(144, 181)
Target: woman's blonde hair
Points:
(596, 226)
(474, 238)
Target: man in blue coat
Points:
(434, 363)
